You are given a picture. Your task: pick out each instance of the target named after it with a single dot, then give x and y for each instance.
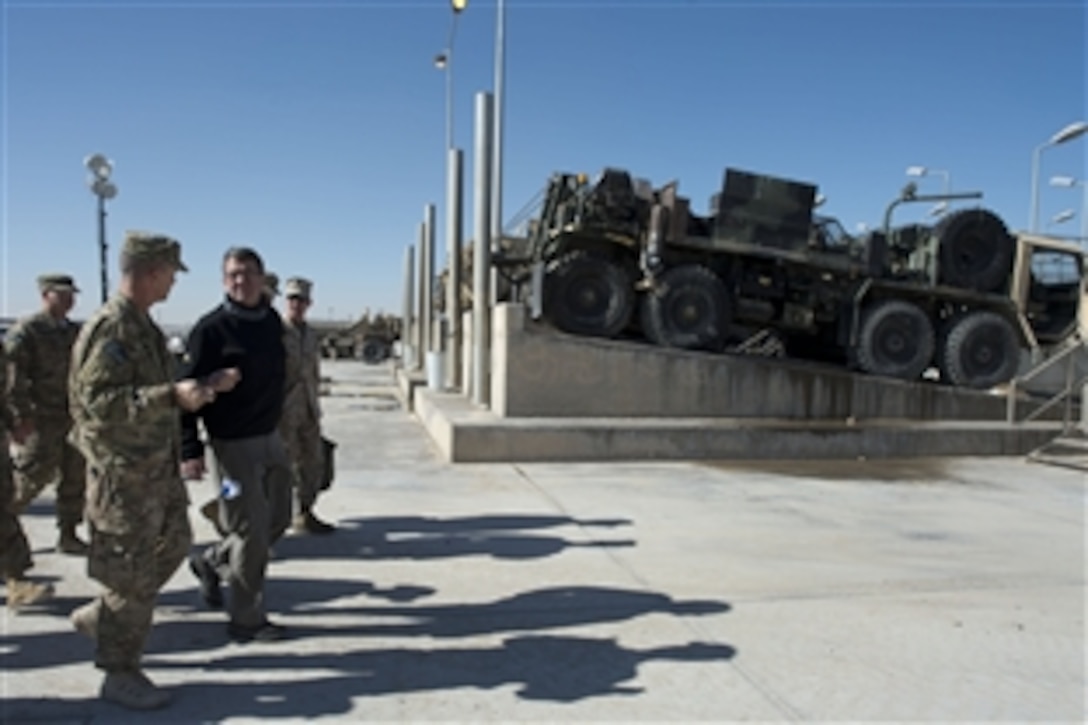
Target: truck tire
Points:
(981, 350)
(374, 351)
(975, 250)
(896, 339)
(688, 309)
(585, 294)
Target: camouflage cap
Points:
(298, 287)
(59, 282)
(154, 247)
(272, 284)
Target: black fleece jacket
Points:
(250, 339)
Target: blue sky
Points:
(315, 131)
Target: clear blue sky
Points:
(314, 131)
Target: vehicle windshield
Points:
(834, 236)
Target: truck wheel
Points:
(588, 295)
(896, 339)
(981, 350)
(374, 352)
(976, 250)
(688, 309)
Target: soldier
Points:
(14, 550)
(125, 407)
(39, 352)
(300, 426)
(251, 464)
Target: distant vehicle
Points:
(618, 258)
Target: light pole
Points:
(1069, 182)
(1068, 133)
(101, 186)
(497, 126)
(920, 171)
(444, 61)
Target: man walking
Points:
(39, 353)
(15, 557)
(251, 464)
(124, 404)
(300, 425)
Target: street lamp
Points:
(1070, 183)
(444, 62)
(101, 186)
(1068, 133)
(920, 171)
(1061, 217)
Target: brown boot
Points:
(23, 592)
(69, 543)
(133, 690)
(85, 619)
(210, 511)
(309, 523)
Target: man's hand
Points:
(224, 379)
(193, 469)
(24, 428)
(192, 395)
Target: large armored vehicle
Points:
(618, 258)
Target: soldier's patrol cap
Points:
(298, 287)
(59, 282)
(272, 283)
(153, 247)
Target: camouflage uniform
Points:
(39, 351)
(300, 426)
(127, 425)
(15, 557)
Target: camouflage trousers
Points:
(302, 438)
(139, 535)
(14, 549)
(47, 457)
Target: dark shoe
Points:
(133, 690)
(209, 581)
(69, 543)
(263, 632)
(310, 524)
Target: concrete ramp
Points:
(557, 397)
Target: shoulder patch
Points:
(115, 351)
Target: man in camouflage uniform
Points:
(14, 550)
(300, 426)
(125, 409)
(39, 351)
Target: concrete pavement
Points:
(935, 589)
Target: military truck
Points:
(964, 296)
(369, 339)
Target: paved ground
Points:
(924, 590)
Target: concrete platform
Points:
(465, 433)
(557, 397)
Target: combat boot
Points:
(308, 522)
(69, 543)
(133, 690)
(85, 619)
(23, 592)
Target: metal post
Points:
(1084, 216)
(407, 353)
(428, 293)
(454, 201)
(497, 130)
(103, 265)
(481, 259)
(1033, 220)
(421, 284)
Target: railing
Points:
(1074, 345)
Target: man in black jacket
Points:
(252, 468)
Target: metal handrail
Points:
(1066, 394)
